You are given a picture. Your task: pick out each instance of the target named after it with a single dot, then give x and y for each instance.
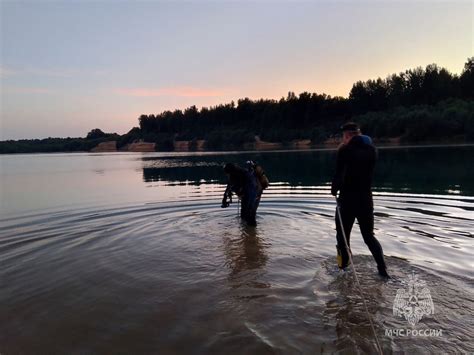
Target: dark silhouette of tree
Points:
(96, 133)
(467, 79)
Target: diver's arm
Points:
(227, 194)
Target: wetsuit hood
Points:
(360, 140)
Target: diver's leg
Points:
(348, 219)
(252, 217)
(252, 214)
(252, 205)
(365, 217)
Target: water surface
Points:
(131, 253)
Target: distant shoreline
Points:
(242, 151)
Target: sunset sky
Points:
(70, 66)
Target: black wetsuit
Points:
(243, 183)
(353, 178)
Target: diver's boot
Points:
(340, 260)
(383, 272)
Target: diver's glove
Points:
(225, 204)
(227, 195)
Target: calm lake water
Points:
(131, 253)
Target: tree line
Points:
(417, 105)
(397, 106)
(51, 145)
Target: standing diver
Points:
(246, 184)
(354, 170)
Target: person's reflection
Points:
(246, 258)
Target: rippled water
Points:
(131, 253)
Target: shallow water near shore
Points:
(131, 253)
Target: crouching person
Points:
(248, 184)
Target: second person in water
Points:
(248, 184)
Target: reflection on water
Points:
(415, 170)
(131, 253)
(246, 256)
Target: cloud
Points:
(4, 72)
(181, 91)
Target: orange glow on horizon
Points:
(181, 91)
